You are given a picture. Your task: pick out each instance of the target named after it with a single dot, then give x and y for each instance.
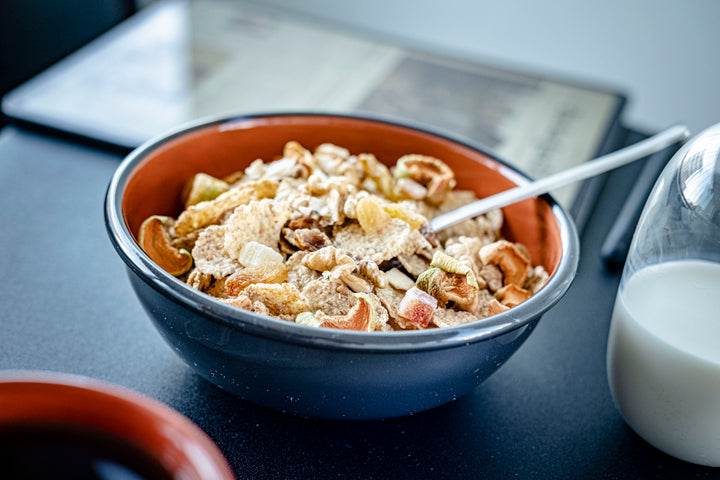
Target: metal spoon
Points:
(586, 170)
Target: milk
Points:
(664, 358)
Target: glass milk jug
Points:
(663, 356)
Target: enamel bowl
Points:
(325, 372)
(55, 425)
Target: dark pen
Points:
(615, 248)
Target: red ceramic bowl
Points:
(324, 372)
(65, 418)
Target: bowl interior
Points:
(155, 184)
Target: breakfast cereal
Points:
(333, 239)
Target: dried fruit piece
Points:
(511, 295)
(371, 215)
(448, 280)
(308, 319)
(261, 273)
(431, 281)
(361, 317)
(417, 307)
(399, 280)
(204, 187)
(156, 242)
(452, 265)
(431, 173)
(512, 261)
(415, 220)
(466, 249)
(254, 253)
(378, 172)
(350, 206)
(495, 307)
(409, 188)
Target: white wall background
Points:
(665, 54)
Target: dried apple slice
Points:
(495, 307)
(511, 295)
(449, 280)
(513, 261)
(362, 316)
(431, 173)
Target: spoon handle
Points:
(583, 171)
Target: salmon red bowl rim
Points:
(42, 397)
(214, 310)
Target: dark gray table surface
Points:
(66, 305)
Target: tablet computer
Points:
(178, 61)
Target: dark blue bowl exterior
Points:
(325, 373)
(322, 382)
